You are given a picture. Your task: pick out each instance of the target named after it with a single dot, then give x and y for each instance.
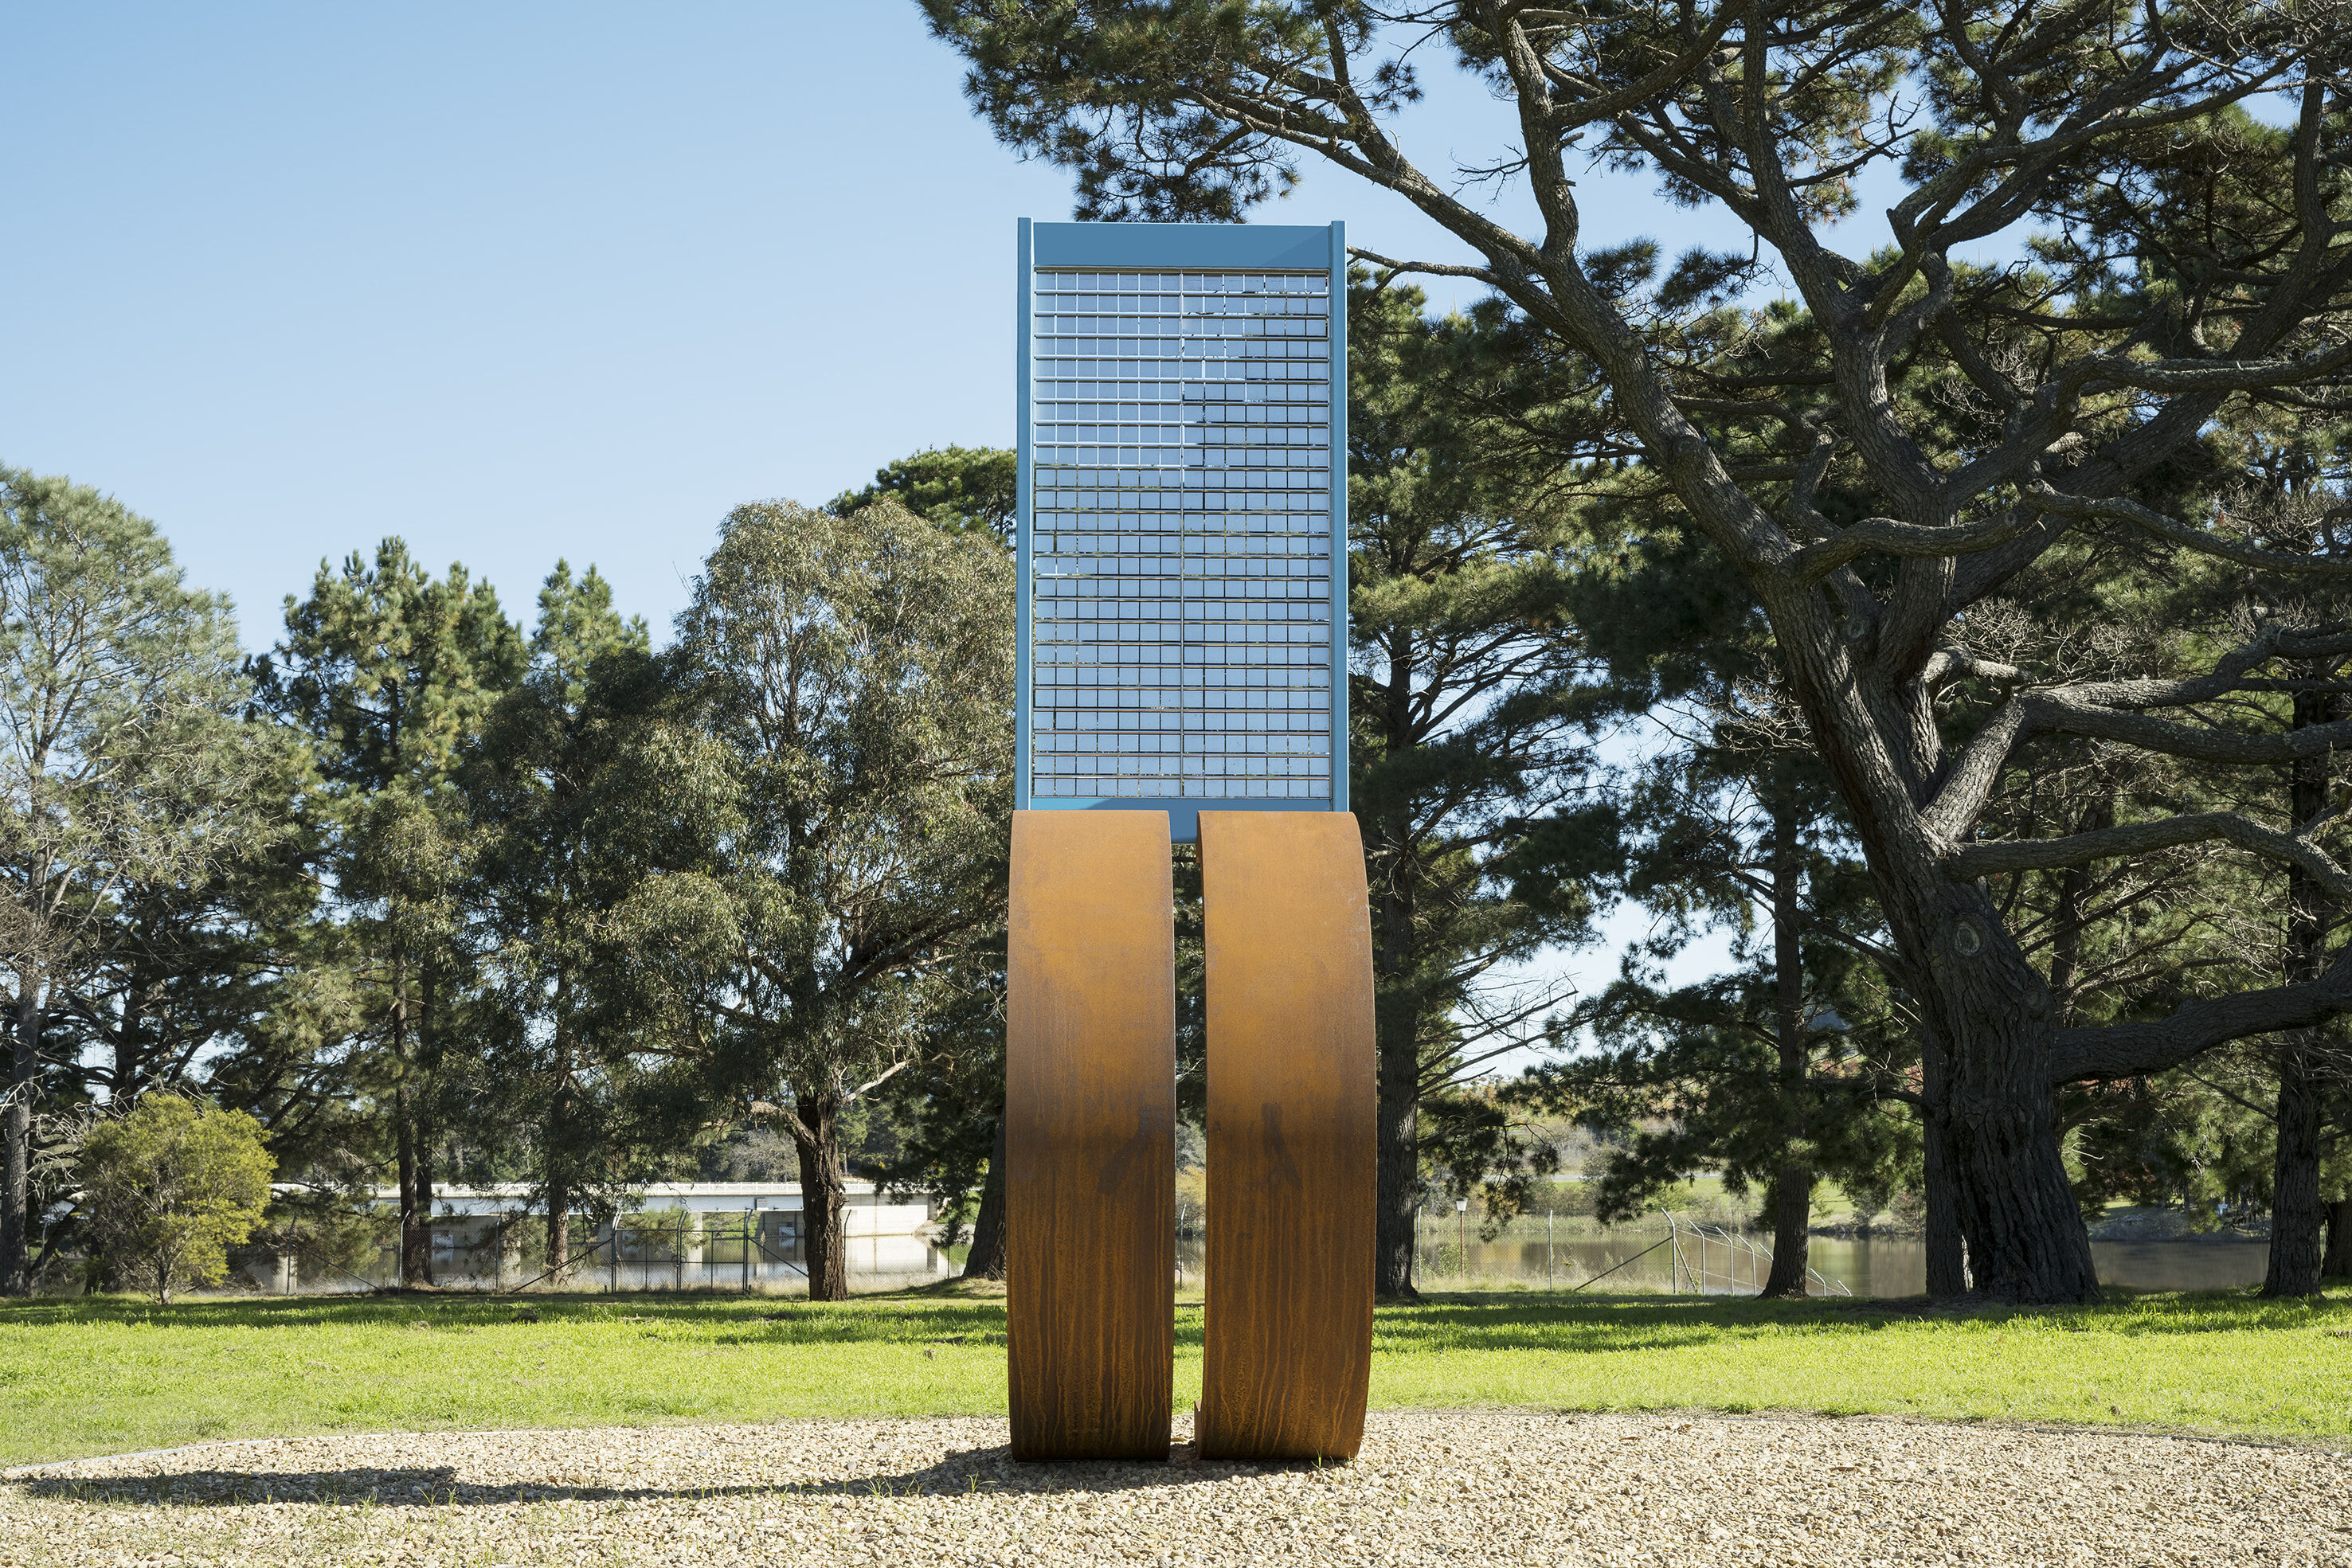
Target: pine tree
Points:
(2181, 260)
(551, 854)
(390, 673)
(1471, 704)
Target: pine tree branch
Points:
(2006, 857)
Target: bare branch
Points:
(1990, 859)
(2041, 498)
(2134, 1050)
(1890, 535)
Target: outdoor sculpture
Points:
(1291, 1108)
(1182, 674)
(1089, 1134)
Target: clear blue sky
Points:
(524, 281)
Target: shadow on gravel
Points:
(972, 1472)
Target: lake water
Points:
(1872, 1266)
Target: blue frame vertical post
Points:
(1022, 505)
(1338, 516)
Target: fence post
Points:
(747, 1252)
(612, 1257)
(1547, 1272)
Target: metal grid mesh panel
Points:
(1179, 558)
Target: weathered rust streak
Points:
(1090, 1121)
(1291, 1118)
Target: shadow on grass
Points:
(970, 1472)
(1498, 1321)
(1594, 1324)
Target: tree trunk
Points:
(2026, 1242)
(1396, 1026)
(986, 1258)
(1397, 1168)
(1948, 1267)
(425, 1198)
(559, 1227)
(1792, 1184)
(425, 1130)
(403, 1134)
(16, 1129)
(2296, 1218)
(129, 1070)
(824, 1192)
(2025, 1237)
(2297, 1215)
(2337, 1264)
(1975, 992)
(556, 1139)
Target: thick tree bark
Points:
(16, 1128)
(2296, 1252)
(2026, 1239)
(2337, 1263)
(817, 1137)
(986, 1258)
(2298, 1217)
(1991, 1013)
(1792, 1185)
(1947, 1266)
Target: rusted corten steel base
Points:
(1089, 1135)
(1292, 1107)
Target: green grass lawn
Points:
(104, 1376)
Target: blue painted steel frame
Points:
(1237, 246)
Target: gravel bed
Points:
(1504, 1487)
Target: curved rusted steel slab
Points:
(1292, 1107)
(1089, 1135)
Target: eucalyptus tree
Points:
(2177, 260)
(951, 1106)
(844, 757)
(552, 851)
(124, 764)
(389, 675)
(963, 489)
(948, 1108)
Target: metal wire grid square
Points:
(1180, 553)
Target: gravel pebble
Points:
(1488, 1488)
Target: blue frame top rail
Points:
(1183, 563)
(1275, 248)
